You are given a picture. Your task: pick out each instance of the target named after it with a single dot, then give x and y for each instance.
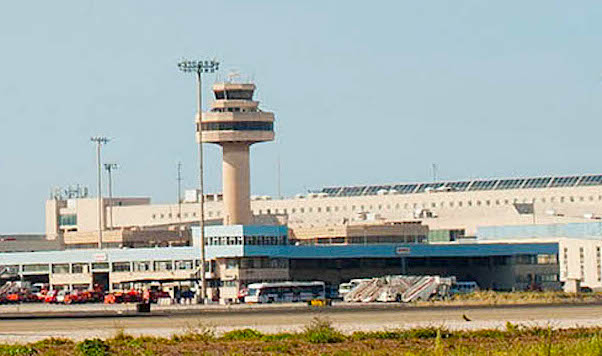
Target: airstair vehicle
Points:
(403, 289)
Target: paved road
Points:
(277, 319)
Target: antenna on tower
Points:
(233, 75)
(435, 171)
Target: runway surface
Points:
(280, 319)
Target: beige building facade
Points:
(438, 209)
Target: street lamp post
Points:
(200, 67)
(99, 140)
(110, 167)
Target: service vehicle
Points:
(285, 292)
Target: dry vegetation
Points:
(486, 297)
(321, 338)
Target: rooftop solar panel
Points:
(374, 189)
(590, 180)
(564, 181)
(537, 182)
(482, 185)
(405, 188)
(476, 185)
(428, 186)
(458, 186)
(510, 184)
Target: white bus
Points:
(285, 292)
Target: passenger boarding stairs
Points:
(400, 289)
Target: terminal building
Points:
(460, 206)
(505, 234)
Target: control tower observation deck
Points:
(235, 122)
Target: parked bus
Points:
(285, 292)
(464, 287)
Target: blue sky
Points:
(364, 92)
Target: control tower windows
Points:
(238, 126)
(234, 94)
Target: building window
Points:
(142, 266)
(230, 283)
(61, 268)
(100, 266)
(547, 259)
(184, 265)
(526, 259)
(70, 219)
(80, 268)
(598, 264)
(121, 267)
(582, 263)
(566, 261)
(36, 268)
(163, 266)
(550, 277)
(231, 263)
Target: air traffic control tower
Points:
(235, 122)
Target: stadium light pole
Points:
(198, 68)
(110, 167)
(99, 141)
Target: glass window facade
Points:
(238, 126)
(70, 219)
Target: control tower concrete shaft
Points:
(235, 122)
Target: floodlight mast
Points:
(200, 67)
(110, 167)
(99, 140)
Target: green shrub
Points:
(93, 347)
(321, 331)
(278, 337)
(242, 334)
(278, 348)
(53, 341)
(14, 350)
